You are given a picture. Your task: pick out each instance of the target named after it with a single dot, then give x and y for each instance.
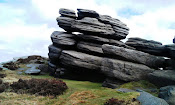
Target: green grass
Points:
(78, 93)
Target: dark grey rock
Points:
(174, 40)
(162, 77)
(87, 13)
(67, 13)
(100, 40)
(148, 99)
(169, 64)
(54, 53)
(114, 22)
(120, 44)
(80, 60)
(43, 68)
(51, 68)
(134, 56)
(168, 94)
(124, 70)
(1, 69)
(65, 23)
(171, 50)
(89, 25)
(92, 39)
(112, 83)
(148, 46)
(62, 39)
(90, 48)
(54, 49)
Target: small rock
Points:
(168, 94)
(148, 99)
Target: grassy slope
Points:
(79, 92)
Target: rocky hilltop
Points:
(90, 48)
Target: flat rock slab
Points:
(65, 23)
(67, 13)
(92, 26)
(162, 77)
(80, 60)
(148, 46)
(33, 69)
(148, 99)
(87, 13)
(62, 39)
(90, 48)
(124, 90)
(124, 70)
(134, 56)
(168, 94)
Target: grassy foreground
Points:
(79, 93)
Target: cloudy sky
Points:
(26, 25)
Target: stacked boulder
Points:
(163, 77)
(90, 49)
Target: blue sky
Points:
(26, 25)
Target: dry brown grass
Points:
(81, 97)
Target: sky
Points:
(26, 25)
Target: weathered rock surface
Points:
(100, 40)
(168, 94)
(67, 13)
(124, 70)
(62, 39)
(171, 50)
(134, 56)
(54, 53)
(112, 83)
(80, 60)
(90, 48)
(162, 77)
(112, 21)
(148, 99)
(148, 46)
(65, 23)
(92, 26)
(87, 13)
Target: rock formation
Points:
(96, 52)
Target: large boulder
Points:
(168, 94)
(162, 77)
(63, 39)
(124, 70)
(90, 48)
(92, 26)
(67, 13)
(148, 46)
(80, 61)
(87, 13)
(148, 99)
(134, 56)
(65, 23)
